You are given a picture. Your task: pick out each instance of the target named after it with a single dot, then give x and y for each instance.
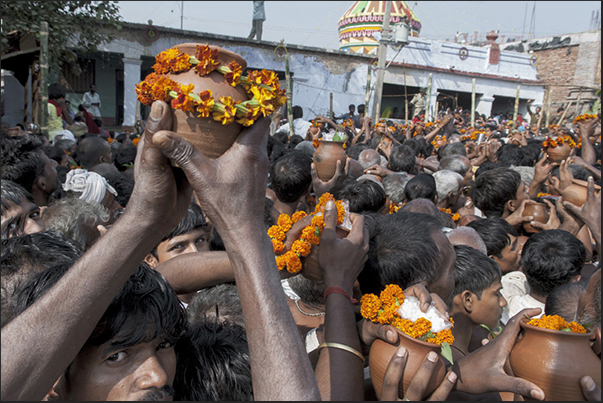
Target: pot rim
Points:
(421, 342)
(331, 141)
(524, 325)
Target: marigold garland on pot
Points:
(556, 322)
(263, 86)
(585, 116)
(310, 235)
(455, 216)
(551, 142)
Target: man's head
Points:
(363, 196)
(551, 258)
(20, 215)
(188, 237)
(92, 88)
(402, 159)
(459, 164)
(589, 308)
(469, 237)
(219, 303)
(501, 241)
(422, 186)
(394, 185)
(499, 192)
(477, 287)
(361, 109)
(297, 111)
(448, 185)
(352, 109)
(563, 300)
(369, 157)
(24, 162)
(130, 353)
(408, 249)
(93, 150)
(291, 176)
(56, 91)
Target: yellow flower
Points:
(301, 248)
(208, 60)
(369, 306)
(445, 336)
(262, 98)
(277, 245)
(386, 314)
(183, 101)
(234, 76)
(225, 110)
(162, 60)
(309, 234)
(285, 222)
(293, 263)
(281, 262)
(576, 327)
(318, 222)
(206, 105)
(405, 325)
(421, 327)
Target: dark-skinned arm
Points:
(65, 316)
(339, 373)
(231, 192)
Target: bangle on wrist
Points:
(339, 290)
(342, 347)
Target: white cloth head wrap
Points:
(91, 185)
(62, 135)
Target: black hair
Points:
(89, 149)
(21, 160)
(193, 219)
(297, 112)
(531, 152)
(402, 159)
(24, 256)
(123, 185)
(494, 188)
(56, 91)
(12, 194)
(125, 155)
(282, 136)
(578, 172)
(310, 292)
(363, 196)
(290, 176)
(219, 303)
(360, 108)
(473, 271)
(563, 300)
(422, 186)
(551, 258)
(510, 155)
(401, 251)
(53, 152)
(496, 233)
(355, 150)
(295, 140)
(213, 364)
(486, 166)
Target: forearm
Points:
(33, 359)
(429, 137)
(587, 149)
(276, 351)
(535, 188)
(338, 372)
(195, 271)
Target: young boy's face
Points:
(488, 309)
(193, 241)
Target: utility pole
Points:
(381, 66)
(181, 14)
(43, 109)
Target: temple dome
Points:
(364, 18)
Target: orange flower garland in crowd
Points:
(263, 86)
(302, 247)
(393, 208)
(560, 140)
(347, 123)
(556, 322)
(455, 216)
(585, 116)
(435, 141)
(383, 309)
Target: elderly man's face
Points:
(143, 371)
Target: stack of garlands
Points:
(310, 235)
(390, 307)
(455, 216)
(435, 141)
(263, 86)
(585, 116)
(347, 123)
(559, 141)
(556, 322)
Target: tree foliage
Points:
(73, 25)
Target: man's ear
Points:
(151, 260)
(55, 392)
(511, 205)
(41, 183)
(467, 299)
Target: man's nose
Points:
(152, 374)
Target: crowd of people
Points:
(135, 268)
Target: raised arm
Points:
(231, 191)
(66, 315)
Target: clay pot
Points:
(210, 137)
(540, 213)
(559, 153)
(577, 192)
(326, 156)
(381, 354)
(555, 361)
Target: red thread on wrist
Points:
(421, 164)
(339, 290)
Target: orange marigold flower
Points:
(293, 263)
(225, 111)
(301, 247)
(298, 215)
(456, 217)
(309, 234)
(135, 141)
(576, 327)
(386, 314)
(143, 93)
(277, 245)
(281, 262)
(208, 59)
(205, 107)
(180, 63)
(392, 294)
(234, 76)
(553, 322)
(405, 325)
(340, 212)
(318, 222)
(445, 336)
(421, 327)
(277, 233)
(369, 306)
(285, 222)
(163, 59)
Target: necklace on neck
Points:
(307, 313)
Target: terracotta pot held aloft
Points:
(577, 192)
(326, 156)
(558, 153)
(540, 213)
